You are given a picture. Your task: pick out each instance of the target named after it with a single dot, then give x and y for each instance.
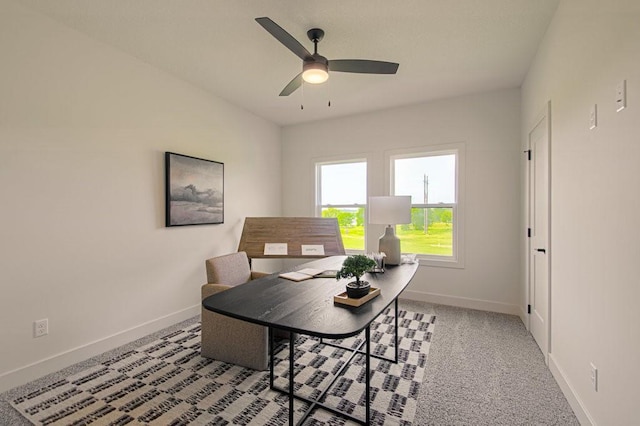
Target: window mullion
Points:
(342, 206)
(433, 206)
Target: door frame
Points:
(544, 113)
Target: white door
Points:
(539, 291)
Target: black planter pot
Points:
(355, 292)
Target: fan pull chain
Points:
(302, 94)
(329, 93)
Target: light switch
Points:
(621, 95)
(593, 117)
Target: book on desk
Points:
(308, 273)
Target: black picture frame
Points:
(194, 189)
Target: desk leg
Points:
(271, 357)
(367, 391)
(291, 374)
(396, 333)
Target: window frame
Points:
(456, 260)
(318, 163)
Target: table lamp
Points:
(390, 211)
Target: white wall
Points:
(488, 124)
(590, 46)
(83, 131)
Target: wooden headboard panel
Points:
(294, 231)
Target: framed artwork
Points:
(194, 190)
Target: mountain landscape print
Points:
(194, 190)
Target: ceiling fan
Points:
(315, 67)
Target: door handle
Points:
(541, 250)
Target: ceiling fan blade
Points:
(363, 66)
(292, 86)
(284, 37)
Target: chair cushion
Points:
(232, 269)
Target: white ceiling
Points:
(445, 48)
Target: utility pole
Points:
(425, 188)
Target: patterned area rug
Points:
(167, 382)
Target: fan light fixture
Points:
(315, 72)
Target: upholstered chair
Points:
(228, 339)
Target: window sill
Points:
(350, 252)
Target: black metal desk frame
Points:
(308, 308)
(318, 401)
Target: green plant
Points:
(355, 266)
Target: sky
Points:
(439, 170)
(346, 183)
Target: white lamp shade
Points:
(390, 210)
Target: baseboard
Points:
(574, 401)
(462, 302)
(23, 375)
(523, 316)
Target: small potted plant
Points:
(354, 267)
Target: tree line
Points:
(355, 217)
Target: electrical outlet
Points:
(594, 377)
(41, 327)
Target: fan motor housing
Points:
(316, 59)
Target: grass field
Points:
(439, 241)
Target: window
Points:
(431, 177)
(342, 193)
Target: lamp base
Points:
(389, 243)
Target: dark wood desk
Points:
(307, 307)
